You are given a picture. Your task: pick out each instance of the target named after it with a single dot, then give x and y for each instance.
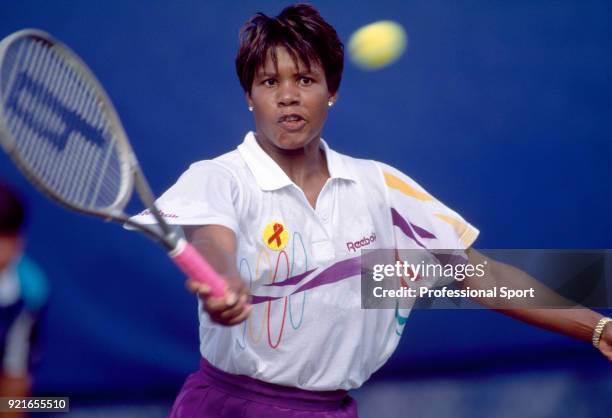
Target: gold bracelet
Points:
(599, 330)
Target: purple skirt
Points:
(213, 393)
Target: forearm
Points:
(573, 322)
(547, 309)
(500, 275)
(217, 246)
(12, 386)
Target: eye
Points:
(306, 81)
(269, 82)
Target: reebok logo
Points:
(355, 245)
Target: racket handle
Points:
(189, 260)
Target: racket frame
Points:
(131, 170)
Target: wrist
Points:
(601, 327)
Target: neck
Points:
(300, 165)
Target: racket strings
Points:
(61, 126)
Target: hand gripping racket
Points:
(60, 128)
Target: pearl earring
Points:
(330, 103)
(250, 108)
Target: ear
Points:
(249, 101)
(334, 97)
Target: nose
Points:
(288, 94)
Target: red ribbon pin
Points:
(278, 230)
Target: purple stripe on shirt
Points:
(423, 233)
(291, 280)
(335, 273)
(401, 223)
(255, 300)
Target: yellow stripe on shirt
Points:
(466, 233)
(398, 184)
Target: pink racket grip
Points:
(189, 260)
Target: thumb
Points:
(197, 287)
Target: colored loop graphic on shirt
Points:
(275, 236)
(401, 320)
(282, 324)
(245, 271)
(278, 271)
(296, 237)
(257, 338)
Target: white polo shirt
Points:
(307, 328)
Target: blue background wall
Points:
(500, 109)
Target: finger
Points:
(236, 319)
(234, 310)
(231, 298)
(245, 291)
(224, 320)
(197, 287)
(244, 315)
(190, 285)
(216, 305)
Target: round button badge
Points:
(275, 236)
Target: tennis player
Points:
(283, 217)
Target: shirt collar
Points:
(270, 176)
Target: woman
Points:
(283, 218)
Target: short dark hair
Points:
(12, 211)
(302, 31)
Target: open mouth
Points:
(292, 122)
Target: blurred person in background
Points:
(23, 298)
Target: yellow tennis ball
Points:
(377, 45)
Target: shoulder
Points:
(359, 168)
(204, 174)
(398, 180)
(377, 173)
(230, 166)
(221, 166)
(33, 282)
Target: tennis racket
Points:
(60, 128)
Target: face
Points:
(290, 102)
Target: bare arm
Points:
(12, 387)
(577, 322)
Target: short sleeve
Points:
(420, 220)
(34, 284)
(206, 194)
